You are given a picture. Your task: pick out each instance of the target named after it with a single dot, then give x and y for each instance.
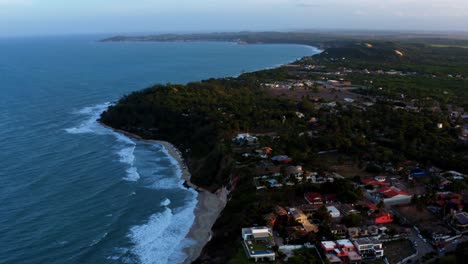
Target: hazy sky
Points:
(36, 17)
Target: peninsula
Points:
(363, 144)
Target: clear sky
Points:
(38, 17)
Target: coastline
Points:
(209, 205)
(208, 208)
(206, 212)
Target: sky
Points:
(55, 17)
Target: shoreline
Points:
(208, 208)
(206, 212)
(209, 205)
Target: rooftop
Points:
(258, 241)
(329, 245)
(462, 218)
(367, 240)
(333, 258)
(345, 243)
(390, 192)
(354, 256)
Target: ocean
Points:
(72, 191)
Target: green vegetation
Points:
(395, 251)
(304, 256)
(201, 118)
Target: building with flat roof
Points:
(334, 213)
(369, 247)
(461, 221)
(390, 195)
(258, 243)
(341, 252)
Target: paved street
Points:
(422, 247)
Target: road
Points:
(422, 247)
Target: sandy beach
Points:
(208, 208)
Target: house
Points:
(383, 218)
(264, 152)
(461, 221)
(342, 251)
(391, 195)
(372, 182)
(313, 198)
(329, 248)
(320, 179)
(334, 213)
(346, 209)
(417, 173)
(294, 171)
(369, 247)
(450, 200)
(245, 139)
(454, 175)
(282, 159)
(258, 243)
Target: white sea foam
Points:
(166, 202)
(162, 238)
(91, 125)
(127, 156)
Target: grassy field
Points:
(398, 250)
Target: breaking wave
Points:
(92, 126)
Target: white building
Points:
(334, 212)
(246, 138)
(369, 246)
(258, 243)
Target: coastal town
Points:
(398, 212)
(320, 161)
(234, 132)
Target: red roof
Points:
(384, 189)
(313, 197)
(383, 218)
(390, 192)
